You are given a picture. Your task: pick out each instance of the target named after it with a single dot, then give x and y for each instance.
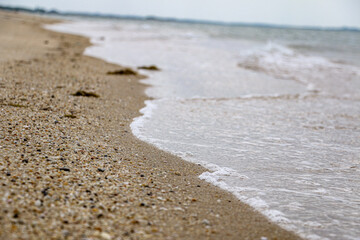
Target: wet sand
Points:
(70, 167)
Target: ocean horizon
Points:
(55, 12)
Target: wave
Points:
(283, 62)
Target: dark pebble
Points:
(101, 170)
(44, 191)
(65, 169)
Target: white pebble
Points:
(38, 203)
(105, 236)
(206, 222)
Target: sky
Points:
(321, 13)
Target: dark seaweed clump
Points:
(69, 116)
(125, 71)
(15, 105)
(81, 93)
(151, 68)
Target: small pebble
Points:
(206, 222)
(44, 191)
(105, 236)
(38, 203)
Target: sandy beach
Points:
(70, 167)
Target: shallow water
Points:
(273, 113)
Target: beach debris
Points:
(82, 93)
(150, 68)
(65, 169)
(45, 108)
(69, 116)
(125, 71)
(15, 105)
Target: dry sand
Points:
(70, 167)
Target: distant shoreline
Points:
(175, 20)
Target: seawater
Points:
(274, 114)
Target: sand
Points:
(70, 167)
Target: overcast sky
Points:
(329, 13)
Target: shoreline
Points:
(70, 166)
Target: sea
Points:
(273, 113)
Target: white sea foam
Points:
(313, 71)
(281, 132)
(139, 121)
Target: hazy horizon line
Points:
(40, 10)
